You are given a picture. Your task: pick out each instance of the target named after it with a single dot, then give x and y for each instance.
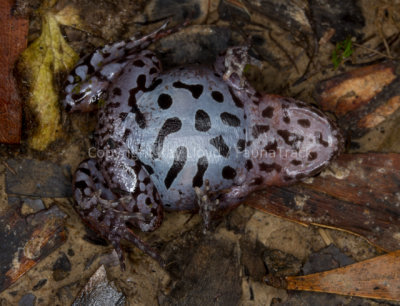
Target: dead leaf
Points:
(377, 278)
(46, 57)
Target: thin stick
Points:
(373, 51)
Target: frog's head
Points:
(82, 93)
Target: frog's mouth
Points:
(84, 97)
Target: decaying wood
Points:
(13, 32)
(24, 241)
(377, 278)
(362, 98)
(359, 193)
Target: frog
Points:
(194, 138)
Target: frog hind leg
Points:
(108, 213)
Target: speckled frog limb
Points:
(191, 138)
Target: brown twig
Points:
(373, 51)
(9, 168)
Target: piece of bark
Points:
(13, 33)
(359, 193)
(362, 98)
(99, 291)
(377, 278)
(24, 241)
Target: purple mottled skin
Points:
(193, 138)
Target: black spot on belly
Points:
(312, 156)
(228, 173)
(196, 90)
(296, 162)
(153, 70)
(268, 112)
(178, 164)
(171, 125)
(241, 145)
(202, 165)
(290, 138)
(217, 96)
(304, 123)
(286, 119)
(138, 63)
(148, 168)
(249, 164)
(202, 121)
(321, 141)
(230, 119)
(116, 91)
(271, 146)
(139, 117)
(220, 145)
(154, 85)
(270, 167)
(235, 99)
(258, 129)
(164, 101)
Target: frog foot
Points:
(207, 205)
(111, 223)
(112, 215)
(233, 65)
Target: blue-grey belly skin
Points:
(180, 195)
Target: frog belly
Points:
(190, 141)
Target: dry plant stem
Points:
(382, 35)
(374, 51)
